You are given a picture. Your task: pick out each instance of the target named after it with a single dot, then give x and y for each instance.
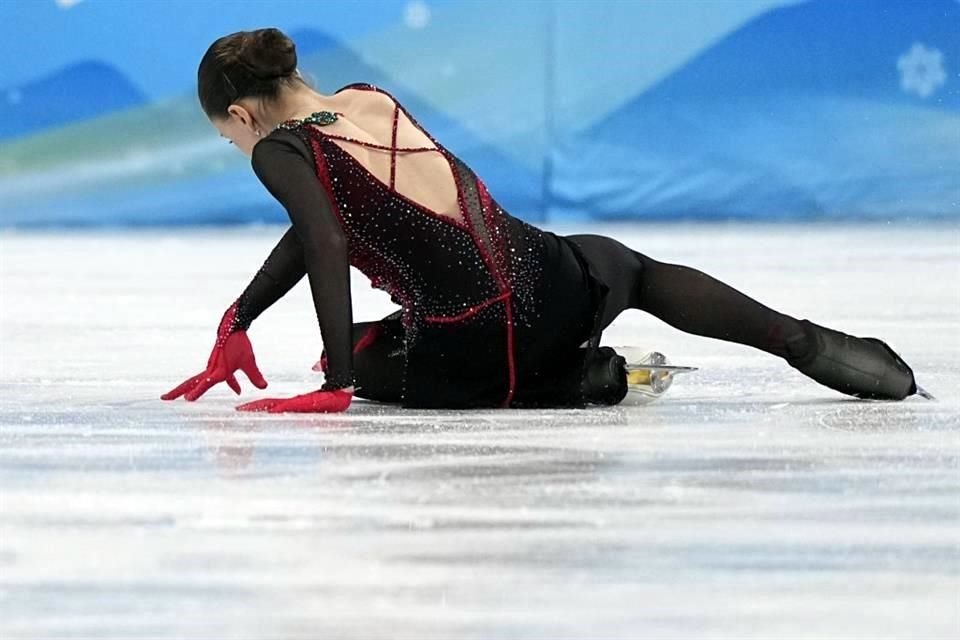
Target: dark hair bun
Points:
(257, 64)
(267, 53)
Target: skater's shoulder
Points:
(277, 145)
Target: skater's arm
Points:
(282, 269)
(287, 172)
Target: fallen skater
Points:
(494, 311)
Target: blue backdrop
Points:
(600, 109)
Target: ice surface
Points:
(748, 502)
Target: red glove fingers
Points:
(232, 353)
(250, 369)
(183, 387)
(212, 378)
(264, 404)
(313, 402)
(233, 383)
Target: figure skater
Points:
(494, 311)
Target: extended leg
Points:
(687, 299)
(696, 303)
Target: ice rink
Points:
(749, 502)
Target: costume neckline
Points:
(319, 118)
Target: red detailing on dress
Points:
(511, 362)
(495, 271)
(469, 312)
(440, 273)
(393, 150)
(368, 339)
(374, 145)
(324, 174)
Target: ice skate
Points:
(861, 367)
(649, 374)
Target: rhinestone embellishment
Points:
(319, 118)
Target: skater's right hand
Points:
(231, 351)
(234, 353)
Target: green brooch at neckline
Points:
(320, 118)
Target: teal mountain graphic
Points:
(80, 91)
(162, 163)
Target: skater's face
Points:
(239, 127)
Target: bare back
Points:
(404, 158)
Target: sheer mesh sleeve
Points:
(282, 269)
(285, 167)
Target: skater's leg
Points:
(688, 299)
(695, 302)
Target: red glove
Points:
(314, 402)
(232, 351)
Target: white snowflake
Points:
(66, 4)
(921, 70)
(416, 15)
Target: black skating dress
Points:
(494, 311)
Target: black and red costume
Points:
(494, 312)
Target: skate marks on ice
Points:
(198, 521)
(746, 502)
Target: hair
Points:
(245, 64)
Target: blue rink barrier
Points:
(593, 110)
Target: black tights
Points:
(684, 298)
(687, 299)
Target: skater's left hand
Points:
(314, 402)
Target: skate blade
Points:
(670, 368)
(923, 393)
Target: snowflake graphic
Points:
(416, 15)
(921, 70)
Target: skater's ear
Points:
(240, 115)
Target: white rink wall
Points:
(748, 502)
